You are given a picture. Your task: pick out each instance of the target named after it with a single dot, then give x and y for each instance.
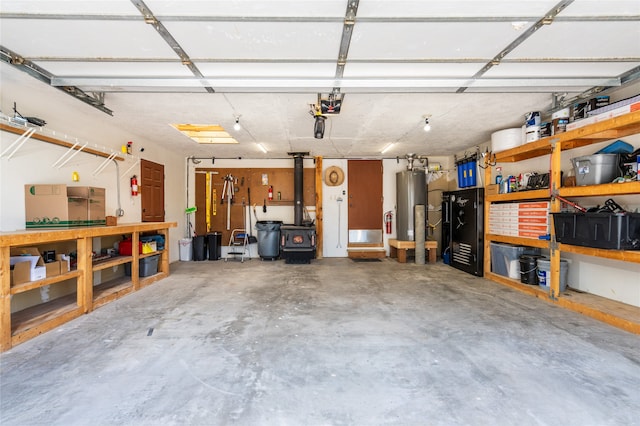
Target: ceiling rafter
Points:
(547, 19)
(149, 18)
(95, 99)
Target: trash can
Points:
(185, 249)
(268, 239)
(198, 248)
(214, 245)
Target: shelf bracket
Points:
(19, 142)
(70, 156)
(105, 163)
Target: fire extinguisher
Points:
(388, 219)
(134, 185)
(271, 193)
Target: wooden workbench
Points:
(20, 325)
(399, 249)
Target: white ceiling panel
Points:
(619, 39)
(561, 69)
(603, 8)
(246, 8)
(70, 7)
(252, 69)
(257, 40)
(79, 38)
(453, 8)
(116, 69)
(435, 40)
(428, 70)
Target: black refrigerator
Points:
(463, 229)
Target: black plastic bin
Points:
(198, 248)
(618, 231)
(268, 239)
(214, 245)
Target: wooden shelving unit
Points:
(615, 313)
(25, 324)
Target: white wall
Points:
(70, 119)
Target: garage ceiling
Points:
(472, 67)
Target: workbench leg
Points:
(432, 255)
(393, 252)
(402, 256)
(5, 299)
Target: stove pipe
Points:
(298, 173)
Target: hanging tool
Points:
(339, 200)
(264, 206)
(572, 204)
(228, 191)
(208, 201)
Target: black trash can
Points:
(214, 245)
(528, 269)
(268, 239)
(198, 248)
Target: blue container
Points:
(617, 147)
(460, 179)
(472, 173)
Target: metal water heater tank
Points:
(411, 190)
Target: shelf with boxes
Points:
(70, 282)
(613, 312)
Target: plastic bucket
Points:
(544, 273)
(528, 269)
(185, 249)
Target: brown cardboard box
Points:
(46, 206)
(27, 265)
(491, 189)
(95, 202)
(111, 221)
(54, 268)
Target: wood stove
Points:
(298, 240)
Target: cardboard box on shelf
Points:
(26, 265)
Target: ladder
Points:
(238, 242)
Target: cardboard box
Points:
(95, 202)
(491, 189)
(27, 265)
(46, 206)
(111, 221)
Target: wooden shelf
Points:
(111, 290)
(37, 319)
(22, 287)
(605, 189)
(613, 128)
(108, 263)
(621, 255)
(618, 314)
(536, 194)
(520, 241)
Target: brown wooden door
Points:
(152, 191)
(365, 201)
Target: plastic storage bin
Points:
(595, 169)
(146, 267)
(505, 259)
(620, 231)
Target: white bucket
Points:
(544, 273)
(186, 252)
(506, 139)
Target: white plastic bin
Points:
(185, 249)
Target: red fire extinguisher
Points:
(388, 219)
(134, 185)
(271, 193)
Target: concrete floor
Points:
(331, 343)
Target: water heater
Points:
(411, 190)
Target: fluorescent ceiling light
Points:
(262, 148)
(387, 148)
(205, 133)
